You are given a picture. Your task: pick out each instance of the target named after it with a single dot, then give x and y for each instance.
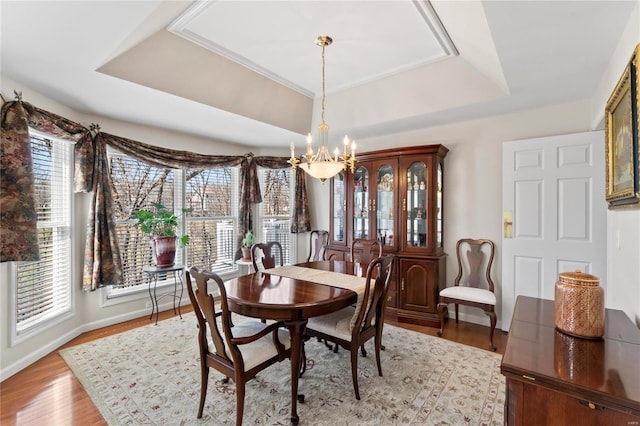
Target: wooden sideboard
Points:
(557, 379)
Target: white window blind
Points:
(212, 209)
(275, 210)
(137, 185)
(43, 288)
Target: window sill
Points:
(111, 297)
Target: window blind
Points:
(275, 210)
(137, 185)
(210, 200)
(43, 288)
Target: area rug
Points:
(151, 376)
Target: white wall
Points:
(473, 179)
(473, 175)
(623, 226)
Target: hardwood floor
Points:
(48, 393)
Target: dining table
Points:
(293, 294)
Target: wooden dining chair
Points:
(364, 251)
(340, 327)
(238, 351)
(473, 285)
(318, 240)
(266, 255)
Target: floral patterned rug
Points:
(151, 376)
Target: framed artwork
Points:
(621, 133)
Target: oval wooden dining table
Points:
(294, 301)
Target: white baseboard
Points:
(481, 319)
(52, 346)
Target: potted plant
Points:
(247, 242)
(162, 225)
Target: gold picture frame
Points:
(621, 133)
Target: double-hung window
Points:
(43, 293)
(211, 202)
(137, 185)
(274, 218)
(206, 202)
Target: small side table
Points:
(245, 263)
(153, 272)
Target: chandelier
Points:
(322, 165)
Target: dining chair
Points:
(473, 285)
(318, 239)
(266, 255)
(351, 327)
(238, 351)
(364, 251)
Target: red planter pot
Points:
(164, 251)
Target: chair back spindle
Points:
(267, 255)
(364, 251)
(318, 240)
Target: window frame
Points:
(260, 216)
(113, 295)
(59, 315)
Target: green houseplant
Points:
(162, 225)
(247, 242)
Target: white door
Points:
(553, 195)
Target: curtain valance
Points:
(103, 265)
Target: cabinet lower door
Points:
(419, 285)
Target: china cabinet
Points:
(396, 196)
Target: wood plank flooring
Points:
(47, 392)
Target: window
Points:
(211, 200)
(43, 291)
(137, 185)
(274, 219)
(210, 205)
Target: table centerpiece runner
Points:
(330, 278)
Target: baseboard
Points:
(52, 346)
(473, 318)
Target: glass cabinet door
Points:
(361, 203)
(385, 204)
(439, 207)
(338, 208)
(416, 204)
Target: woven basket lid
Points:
(578, 278)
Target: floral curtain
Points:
(300, 222)
(102, 258)
(18, 221)
(102, 261)
(249, 194)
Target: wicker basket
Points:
(579, 305)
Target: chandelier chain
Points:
(323, 46)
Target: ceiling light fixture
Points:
(322, 165)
